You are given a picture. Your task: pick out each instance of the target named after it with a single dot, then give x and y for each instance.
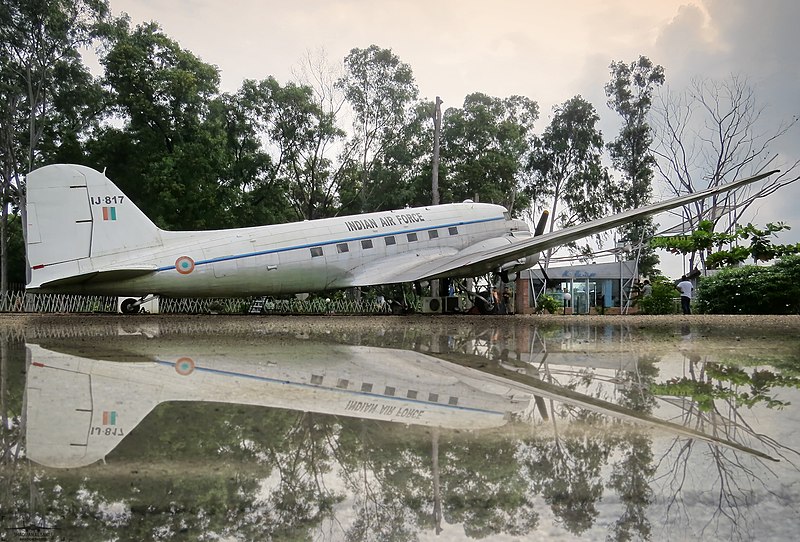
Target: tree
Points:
(630, 94)
(169, 153)
(39, 47)
(484, 150)
(379, 88)
(709, 245)
(711, 134)
(566, 167)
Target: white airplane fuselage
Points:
(308, 256)
(109, 247)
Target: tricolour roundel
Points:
(184, 265)
(184, 366)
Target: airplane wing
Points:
(477, 263)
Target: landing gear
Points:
(485, 303)
(134, 306)
(130, 306)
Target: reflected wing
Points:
(510, 248)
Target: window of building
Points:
(316, 251)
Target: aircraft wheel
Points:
(484, 306)
(129, 306)
(507, 277)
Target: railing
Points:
(19, 301)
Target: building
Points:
(592, 288)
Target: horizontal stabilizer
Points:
(105, 275)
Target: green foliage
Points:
(548, 303)
(753, 290)
(484, 148)
(566, 167)
(630, 92)
(660, 301)
(730, 383)
(711, 244)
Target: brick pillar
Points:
(522, 303)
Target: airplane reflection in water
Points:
(80, 406)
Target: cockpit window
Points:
(507, 215)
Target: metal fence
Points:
(19, 301)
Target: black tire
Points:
(484, 306)
(129, 306)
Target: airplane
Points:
(83, 235)
(80, 403)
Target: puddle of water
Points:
(440, 428)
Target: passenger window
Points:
(316, 251)
(411, 237)
(366, 243)
(343, 383)
(433, 234)
(316, 379)
(433, 397)
(389, 390)
(453, 401)
(453, 230)
(390, 240)
(342, 247)
(412, 394)
(366, 387)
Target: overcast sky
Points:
(547, 51)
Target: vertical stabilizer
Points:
(75, 213)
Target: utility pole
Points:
(437, 129)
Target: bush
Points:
(549, 303)
(661, 300)
(753, 290)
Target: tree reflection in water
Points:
(200, 471)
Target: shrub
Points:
(661, 300)
(753, 290)
(549, 303)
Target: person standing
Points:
(686, 288)
(647, 289)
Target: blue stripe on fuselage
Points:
(333, 242)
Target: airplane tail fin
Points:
(74, 214)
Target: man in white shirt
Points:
(686, 288)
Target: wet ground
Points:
(399, 428)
